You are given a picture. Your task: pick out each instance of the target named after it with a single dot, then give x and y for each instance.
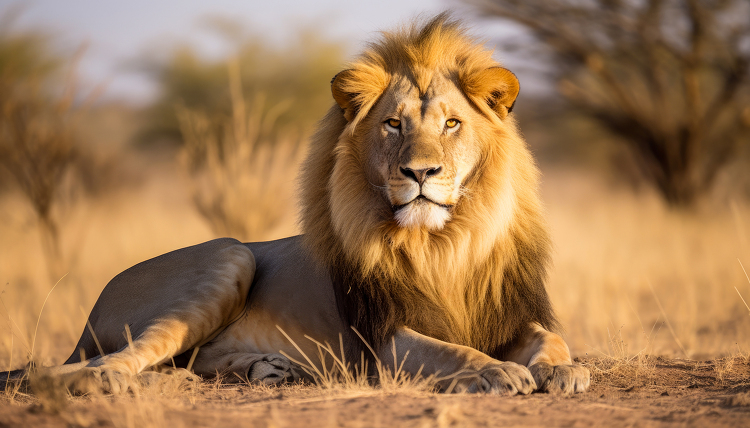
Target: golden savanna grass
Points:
(663, 281)
(617, 257)
(615, 254)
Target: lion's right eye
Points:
(393, 123)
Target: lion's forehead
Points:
(441, 88)
(428, 109)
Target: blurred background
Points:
(131, 129)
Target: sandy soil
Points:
(644, 391)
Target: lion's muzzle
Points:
(421, 174)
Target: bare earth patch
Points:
(647, 391)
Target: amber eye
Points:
(394, 123)
(451, 123)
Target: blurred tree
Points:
(670, 77)
(38, 149)
(294, 80)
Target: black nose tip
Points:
(420, 175)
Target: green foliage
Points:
(291, 82)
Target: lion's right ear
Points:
(341, 85)
(357, 89)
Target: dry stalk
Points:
(334, 373)
(241, 169)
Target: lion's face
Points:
(418, 135)
(416, 156)
(421, 149)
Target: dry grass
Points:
(624, 266)
(241, 168)
(663, 280)
(331, 371)
(154, 398)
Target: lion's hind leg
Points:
(548, 358)
(115, 373)
(162, 308)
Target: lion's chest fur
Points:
(448, 310)
(486, 307)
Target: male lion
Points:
(422, 230)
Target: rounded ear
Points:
(497, 86)
(344, 98)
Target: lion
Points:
(423, 234)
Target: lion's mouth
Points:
(419, 200)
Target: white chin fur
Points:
(426, 214)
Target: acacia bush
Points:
(668, 78)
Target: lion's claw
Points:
(565, 379)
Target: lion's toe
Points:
(565, 379)
(505, 378)
(517, 379)
(273, 369)
(115, 382)
(84, 382)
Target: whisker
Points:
(376, 186)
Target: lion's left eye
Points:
(451, 123)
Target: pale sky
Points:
(119, 31)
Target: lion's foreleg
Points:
(548, 358)
(456, 368)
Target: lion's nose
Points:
(420, 175)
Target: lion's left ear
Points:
(496, 86)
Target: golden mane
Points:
(475, 282)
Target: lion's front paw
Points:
(566, 379)
(506, 378)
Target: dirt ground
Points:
(645, 391)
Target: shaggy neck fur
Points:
(476, 282)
